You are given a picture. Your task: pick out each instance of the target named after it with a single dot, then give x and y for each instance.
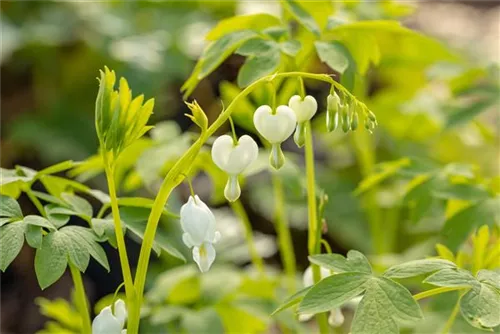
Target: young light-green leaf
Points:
(333, 291)
(11, 242)
(9, 207)
(355, 262)
(78, 204)
(257, 46)
(417, 267)
(242, 22)
(333, 54)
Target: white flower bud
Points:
(234, 159)
(275, 128)
(198, 224)
(108, 323)
(304, 109)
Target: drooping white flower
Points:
(336, 317)
(234, 158)
(198, 224)
(333, 106)
(275, 128)
(305, 108)
(109, 322)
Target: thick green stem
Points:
(282, 230)
(120, 238)
(312, 210)
(435, 291)
(240, 212)
(81, 299)
(174, 178)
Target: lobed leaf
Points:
(452, 277)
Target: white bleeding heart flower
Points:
(305, 108)
(109, 322)
(275, 128)
(198, 224)
(336, 317)
(234, 158)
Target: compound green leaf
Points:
(452, 277)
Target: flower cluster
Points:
(346, 115)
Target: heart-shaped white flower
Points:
(304, 108)
(231, 158)
(198, 224)
(275, 128)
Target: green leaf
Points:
(382, 172)
(459, 226)
(257, 67)
(489, 277)
(51, 259)
(384, 304)
(333, 54)
(58, 215)
(291, 47)
(417, 267)
(38, 221)
(59, 167)
(464, 114)
(219, 50)
(167, 237)
(257, 46)
(254, 22)
(78, 204)
(292, 300)
(480, 306)
(333, 291)
(106, 228)
(466, 192)
(9, 207)
(33, 235)
(355, 262)
(11, 242)
(452, 277)
(304, 18)
(88, 240)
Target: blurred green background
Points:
(433, 112)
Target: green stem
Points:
(81, 299)
(174, 178)
(235, 138)
(36, 202)
(435, 291)
(240, 212)
(282, 230)
(120, 238)
(312, 210)
(453, 316)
